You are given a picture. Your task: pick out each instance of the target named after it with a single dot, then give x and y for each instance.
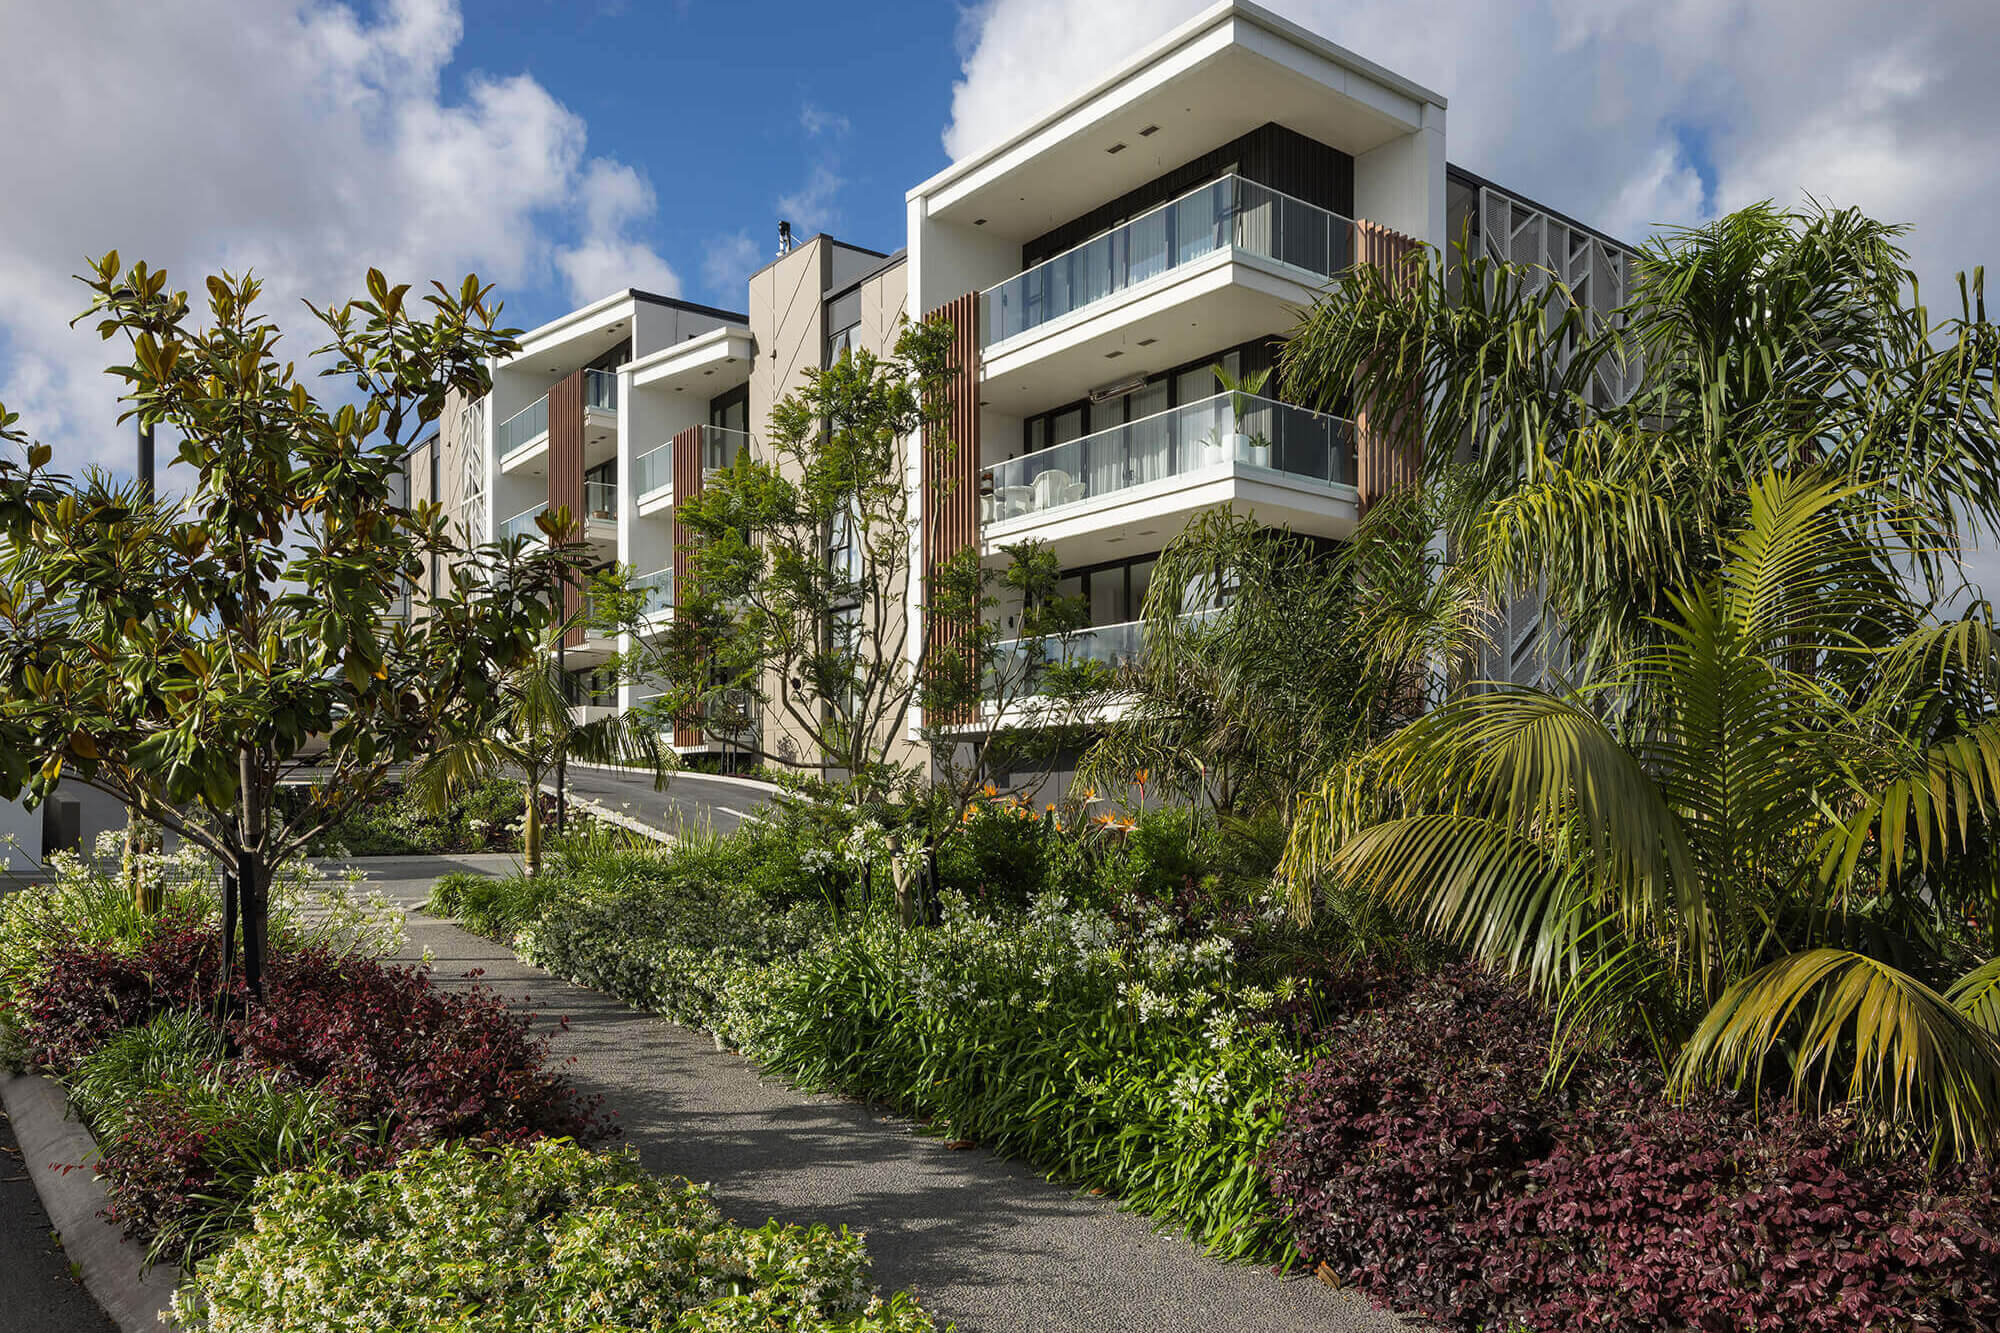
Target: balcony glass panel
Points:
(1228, 429)
(658, 590)
(523, 523)
(1114, 646)
(600, 389)
(1230, 212)
(523, 427)
(653, 470)
(720, 445)
(600, 500)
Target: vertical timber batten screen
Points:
(951, 470)
(566, 477)
(687, 485)
(1389, 435)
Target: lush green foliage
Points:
(1138, 1041)
(1750, 815)
(485, 818)
(1732, 838)
(182, 654)
(548, 1237)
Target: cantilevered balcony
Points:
(522, 441)
(653, 471)
(1288, 464)
(657, 592)
(1227, 262)
(600, 519)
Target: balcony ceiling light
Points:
(1149, 131)
(1111, 354)
(979, 222)
(1118, 147)
(1147, 342)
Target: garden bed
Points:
(1380, 1116)
(356, 1120)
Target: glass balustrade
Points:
(600, 499)
(1228, 429)
(1113, 646)
(600, 389)
(720, 445)
(523, 523)
(523, 427)
(657, 590)
(1228, 213)
(653, 471)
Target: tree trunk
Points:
(229, 899)
(531, 827)
(255, 888)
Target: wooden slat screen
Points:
(1389, 443)
(687, 485)
(566, 475)
(951, 466)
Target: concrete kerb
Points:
(60, 1156)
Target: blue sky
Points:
(565, 150)
(729, 108)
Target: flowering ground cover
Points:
(1161, 1032)
(361, 1149)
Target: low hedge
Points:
(541, 1238)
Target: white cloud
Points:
(605, 259)
(1593, 105)
(812, 207)
(817, 120)
(293, 136)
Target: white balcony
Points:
(600, 520)
(1222, 264)
(522, 440)
(653, 471)
(657, 590)
(1146, 478)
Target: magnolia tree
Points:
(191, 655)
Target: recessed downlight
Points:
(979, 222)
(1118, 147)
(1109, 355)
(1147, 342)
(1149, 131)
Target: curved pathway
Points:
(985, 1242)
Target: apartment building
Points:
(1099, 264)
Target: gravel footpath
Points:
(984, 1242)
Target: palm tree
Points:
(1769, 340)
(1742, 838)
(532, 731)
(1247, 687)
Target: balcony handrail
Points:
(658, 588)
(1155, 438)
(1162, 239)
(514, 526)
(1183, 197)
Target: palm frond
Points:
(1977, 995)
(1858, 1030)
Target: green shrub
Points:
(486, 818)
(658, 934)
(1000, 855)
(547, 1237)
(494, 906)
(177, 1047)
(1106, 1053)
(185, 1158)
